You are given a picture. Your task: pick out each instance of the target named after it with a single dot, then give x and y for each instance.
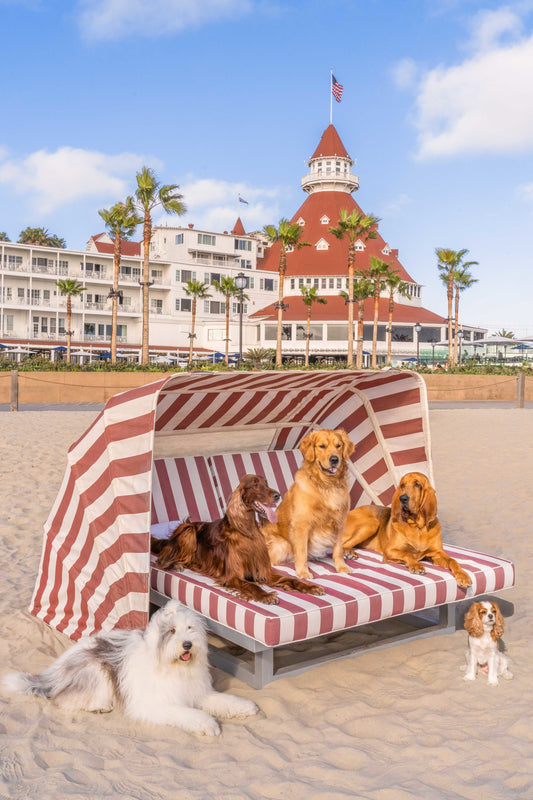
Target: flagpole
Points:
(330, 96)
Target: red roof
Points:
(127, 248)
(334, 260)
(238, 230)
(336, 311)
(330, 145)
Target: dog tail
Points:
(26, 683)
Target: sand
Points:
(388, 725)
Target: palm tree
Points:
(394, 283)
(355, 226)
(288, 235)
(228, 288)
(70, 287)
(377, 272)
(149, 194)
(120, 221)
(362, 288)
(462, 280)
(309, 297)
(448, 262)
(505, 334)
(41, 237)
(256, 356)
(195, 289)
(4, 237)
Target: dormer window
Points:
(289, 248)
(322, 245)
(300, 222)
(386, 250)
(359, 245)
(324, 220)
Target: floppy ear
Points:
(499, 624)
(396, 506)
(428, 507)
(347, 445)
(307, 446)
(473, 624)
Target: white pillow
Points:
(162, 530)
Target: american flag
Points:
(336, 89)
(242, 200)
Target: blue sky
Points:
(231, 96)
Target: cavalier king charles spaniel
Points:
(484, 624)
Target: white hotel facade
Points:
(33, 311)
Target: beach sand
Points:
(391, 724)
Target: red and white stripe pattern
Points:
(95, 565)
(373, 591)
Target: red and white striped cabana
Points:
(146, 459)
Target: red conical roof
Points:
(330, 145)
(238, 230)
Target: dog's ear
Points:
(499, 625)
(396, 506)
(473, 624)
(307, 446)
(428, 505)
(347, 445)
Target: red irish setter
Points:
(232, 550)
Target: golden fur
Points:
(312, 515)
(407, 532)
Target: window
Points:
(243, 244)
(271, 333)
(324, 220)
(44, 324)
(315, 283)
(245, 263)
(359, 245)
(215, 276)
(179, 238)
(293, 283)
(89, 328)
(322, 245)
(237, 308)
(206, 238)
(186, 275)
(185, 304)
(217, 307)
(337, 333)
(300, 222)
(267, 284)
(331, 283)
(314, 330)
(156, 305)
(323, 283)
(157, 274)
(61, 322)
(300, 282)
(9, 322)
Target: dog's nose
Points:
(276, 497)
(186, 645)
(334, 460)
(404, 498)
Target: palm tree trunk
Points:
(193, 323)
(455, 345)
(389, 332)
(226, 357)
(282, 267)
(360, 330)
(69, 320)
(450, 304)
(114, 301)
(147, 235)
(307, 332)
(377, 288)
(351, 260)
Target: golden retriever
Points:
(405, 533)
(312, 515)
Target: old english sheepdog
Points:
(160, 675)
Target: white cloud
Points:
(396, 205)
(115, 19)
(54, 180)
(214, 205)
(482, 105)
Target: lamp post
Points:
(433, 342)
(241, 282)
(460, 335)
(418, 328)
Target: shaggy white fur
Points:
(160, 675)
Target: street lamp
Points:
(418, 328)
(241, 282)
(460, 335)
(433, 342)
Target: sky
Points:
(230, 97)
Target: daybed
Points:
(177, 448)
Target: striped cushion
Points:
(372, 592)
(183, 487)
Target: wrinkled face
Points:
(182, 637)
(412, 488)
(327, 451)
(258, 496)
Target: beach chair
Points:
(176, 448)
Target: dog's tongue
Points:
(185, 656)
(271, 514)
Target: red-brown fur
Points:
(232, 550)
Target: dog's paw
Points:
(271, 599)
(352, 553)
(469, 677)
(208, 727)
(343, 568)
(315, 589)
(463, 579)
(304, 574)
(243, 708)
(417, 569)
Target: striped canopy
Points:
(94, 572)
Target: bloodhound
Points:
(407, 532)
